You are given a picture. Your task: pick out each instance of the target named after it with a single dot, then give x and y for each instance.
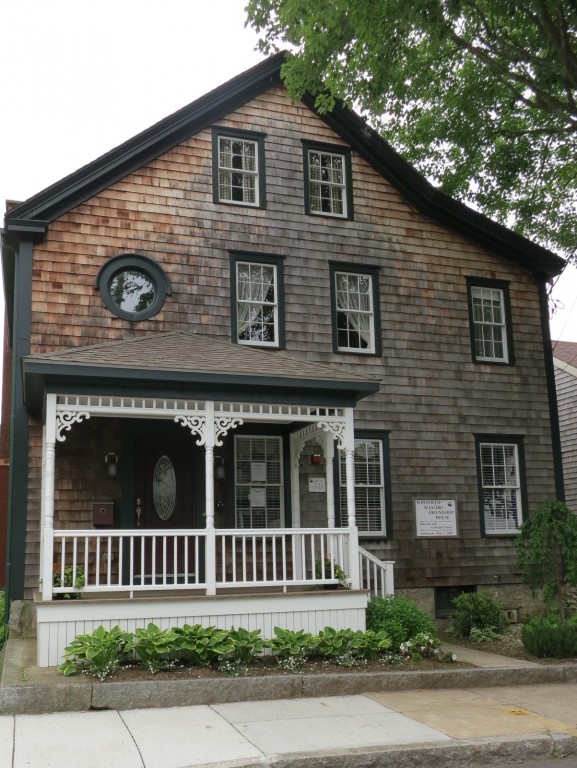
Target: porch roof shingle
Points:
(187, 361)
(565, 352)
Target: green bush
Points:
(201, 646)
(477, 610)
(550, 637)
(3, 626)
(98, 654)
(398, 618)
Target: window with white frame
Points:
(238, 167)
(327, 180)
(500, 486)
(489, 310)
(354, 310)
(256, 303)
(369, 486)
(258, 481)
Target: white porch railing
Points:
(376, 575)
(142, 560)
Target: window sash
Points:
(327, 183)
(501, 487)
(238, 171)
(256, 304)
(489, 322)
(369, 486)
(355, 320)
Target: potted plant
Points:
(69, 576)
(325, 568)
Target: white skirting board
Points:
(59, 622)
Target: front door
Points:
(164, 502)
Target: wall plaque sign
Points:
(436, 517)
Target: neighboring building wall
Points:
(566, 384)
(5, 451)
(433, 398)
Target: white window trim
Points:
(255, 173)
(479, 324)
(239, 301)
(370, 349)
(342, 186)
(343, 496)
(508, 529)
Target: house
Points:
(251, 345)
(565, 360)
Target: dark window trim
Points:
(233, 133)
(258, 258)
(519, 441)
(142, 263)
(359, 269)
(335, 149)
(503, 285)
(369, 434)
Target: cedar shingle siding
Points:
(432, 399)
(566, 384)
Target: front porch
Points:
(285, 551)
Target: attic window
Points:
(133, 287)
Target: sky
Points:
(79, 78)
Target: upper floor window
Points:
(500, 483)
(355, 308)
(328, 180)
(132, 286)
(257, 300)
(489, 319)
(238, 167)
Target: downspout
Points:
(551, 389)
(18, 475)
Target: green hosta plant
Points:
(156, 648)
(98, 654)
(247, 644)
(292, 648)
(333, 643)
(369, 644)
(202, 646)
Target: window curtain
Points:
(251, 294)
(356, 305)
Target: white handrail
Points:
(376, 575)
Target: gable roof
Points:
(193, 365)
(565, 356)
(31, 218)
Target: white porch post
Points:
(210, 554)
(47, 556)
(295, 452)
(349, 445)
(329, 462)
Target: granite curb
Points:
(85, 696)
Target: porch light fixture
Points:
(219, 473)
(111, 461)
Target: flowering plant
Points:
(325, 568)
(68, 576)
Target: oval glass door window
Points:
(164, 488)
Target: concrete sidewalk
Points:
(499, 711)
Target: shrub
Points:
(3, 626)
(477, 610)
(201, 646)
(550, 637)
(155, 647)
(399, 618)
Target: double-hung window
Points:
(355, 308)
(257, 300)
(371, 485)
(238, 167)
(327, 180)
(501, 486)
(258, 481)
(489, 320)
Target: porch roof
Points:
(179, 364)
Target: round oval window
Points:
(133, 286)
(164, 488)
(132, 290)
